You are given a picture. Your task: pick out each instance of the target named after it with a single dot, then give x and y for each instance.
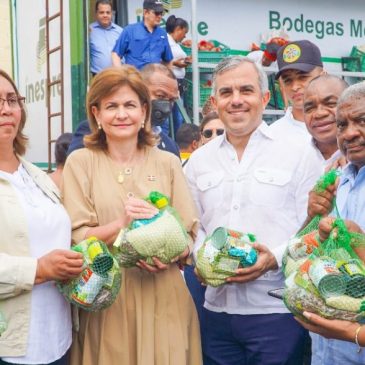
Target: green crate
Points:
(204, 93)
(276, 99)
(210, 56)
(356, 61)
(237, 52)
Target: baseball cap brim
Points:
(305, 67)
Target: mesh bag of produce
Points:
(304, 242)
(98, 285)
(163, 236)
(3, 323)
(331, 281)
(222, 253)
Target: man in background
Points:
(320, 105)
(188, 140)
(299, 62)
(144, 42)
(351, 206)
(103, 35)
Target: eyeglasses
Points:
(208, 133)
(13, 102)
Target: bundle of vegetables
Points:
(222, 253)
(203, 45)
(304, 242)
(331, 281)
(3, 323)
(162, 236)
(98, 285)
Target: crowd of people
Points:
(233, 170)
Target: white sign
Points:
(334, 25)
(30, 27)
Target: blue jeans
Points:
(335, 352)
(197, 290)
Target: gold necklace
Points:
(127, 171)
(121, 175)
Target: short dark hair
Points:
(325, 77)
(172, 23)
(207, 118)
(103, 2)
(186, 134)
(61, 147)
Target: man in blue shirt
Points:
(350, 200)
(144, 42)
(103, 35)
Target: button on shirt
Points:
(265, 194)
(140, 47)
(101, 43)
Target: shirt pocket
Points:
(270, 186)
(210, 189)
(137, 47)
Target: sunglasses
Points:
(208, 133)
(158, 13)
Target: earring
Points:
(142, 124)
(99, 126)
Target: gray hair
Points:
(356, 91)
(150, 69)
(235, 61)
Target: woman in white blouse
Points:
(176, 29)
(34, 248)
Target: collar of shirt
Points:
(291, 119)
(98, 25)
(171, 40)
(263, 130)
(352, 175)
(142, 23)
(336, 155)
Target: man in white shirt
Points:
(246, 180)
(299, 62)
(319, 108)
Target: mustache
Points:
(353, 143)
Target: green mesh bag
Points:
(98, 285)
(222, 253)
(331, 281)
(304, 242)
(3, 323)
(163, 236)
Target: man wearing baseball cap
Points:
(299, 62)
(144, 42)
